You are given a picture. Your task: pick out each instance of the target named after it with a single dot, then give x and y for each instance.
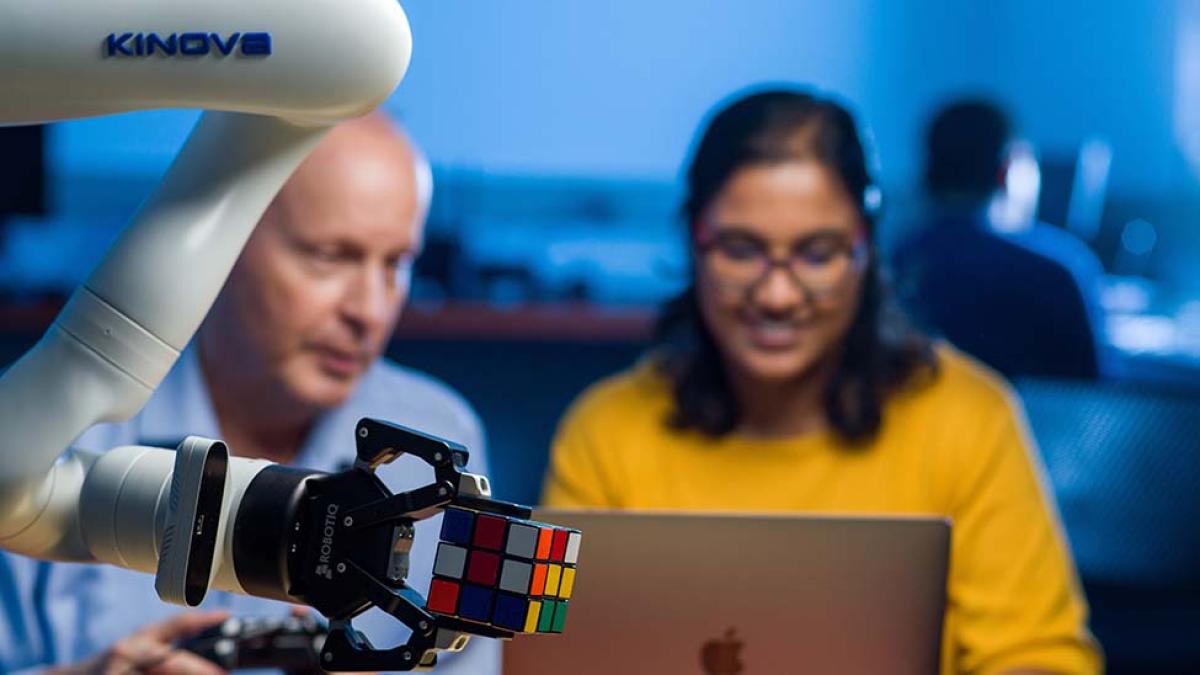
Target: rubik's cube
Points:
(513, 574)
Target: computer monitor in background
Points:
(1074, 188)
(22, 171)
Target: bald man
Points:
(283, 367)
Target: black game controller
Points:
(290, 643)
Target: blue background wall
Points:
(617, 88)
(613, 91)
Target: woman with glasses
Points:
(780, 381)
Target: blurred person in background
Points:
(781, 382)
(284, 366)
(982, 272)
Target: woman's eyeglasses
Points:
(819, 265)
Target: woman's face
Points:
(780, 256)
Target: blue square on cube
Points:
(456, 526)
(475, 603)
(511, 612)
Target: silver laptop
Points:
(663, 593)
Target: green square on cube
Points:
(560, 617)
(546, 618)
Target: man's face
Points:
(316, 293)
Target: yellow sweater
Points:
(955, 447)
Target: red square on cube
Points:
(558, 549)
(483, 568)
(443, 597)
(489, 532)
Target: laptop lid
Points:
(711, 594)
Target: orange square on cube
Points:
(538, 587)
(545, 541)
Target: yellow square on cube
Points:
(553, 576)
(568, 583)
(531, 621)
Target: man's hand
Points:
(152, 651)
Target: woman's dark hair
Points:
(879, 352)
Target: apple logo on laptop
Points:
(720, 657)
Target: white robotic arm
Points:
(307, 61)
(273, 75)
(313, 63)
